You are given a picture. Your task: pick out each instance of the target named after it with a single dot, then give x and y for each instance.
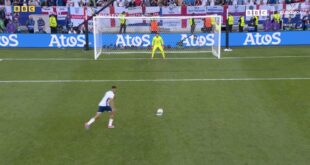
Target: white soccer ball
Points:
(159, 112)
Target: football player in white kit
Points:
(106, 104)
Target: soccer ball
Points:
(159, 112)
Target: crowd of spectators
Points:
(13, 25)
(133, 3)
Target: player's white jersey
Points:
(105, 100)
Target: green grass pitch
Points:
(252, 107)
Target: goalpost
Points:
(175, 31)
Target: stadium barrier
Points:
(78, 40)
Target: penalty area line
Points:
(156, 80)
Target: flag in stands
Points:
(60, 11)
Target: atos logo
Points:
(193, 40)
(127, 40)
(9, 41)
(266, 39)
(67, 41)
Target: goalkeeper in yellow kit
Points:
(158, 42)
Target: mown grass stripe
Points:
(135, 58)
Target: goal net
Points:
(178, 33)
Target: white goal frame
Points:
(216, 47)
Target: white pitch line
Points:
(264, 57)
(1, 60)
(48, 59)
(156, 80)
(134, 58)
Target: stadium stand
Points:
(134, 3)
(14, 14)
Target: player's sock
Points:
(110, 122)
(163, 54)
(153, 52)
(91, 121)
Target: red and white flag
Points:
(76, 15)
(60, 11)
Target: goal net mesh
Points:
(181, 34)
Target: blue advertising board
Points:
(144, 40)
(269, 38)
(42, 40)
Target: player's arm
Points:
(162, 42)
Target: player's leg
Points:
(124, 28)
(111, 119)
(162, 51)
(193, 29)
(120, 29)
(154, 50)
(93, 119)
